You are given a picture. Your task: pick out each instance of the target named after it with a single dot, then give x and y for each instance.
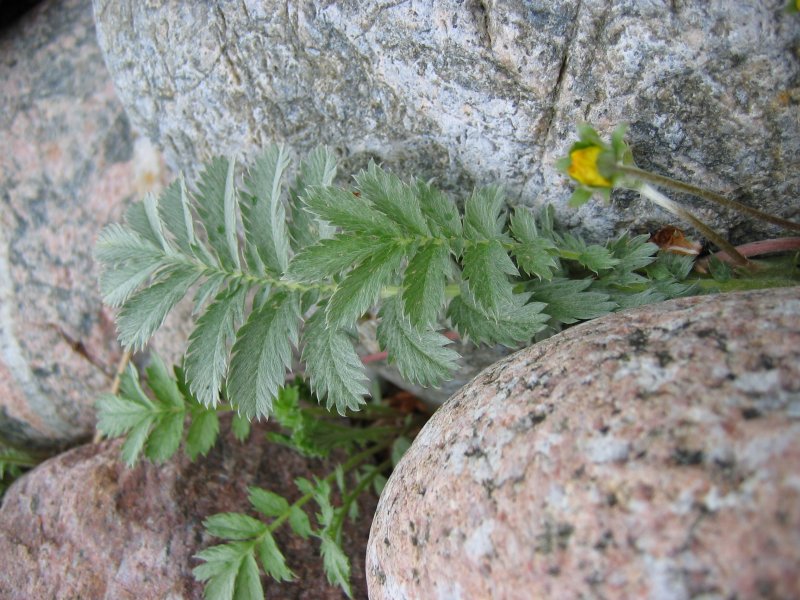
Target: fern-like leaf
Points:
(486, 268)
(421, 356)
(424, 283)
(360, 288)
(483, 214)
(272, 559)
(318, 169)
(441, 214)
(262, 354)
(336, 564)
(329, 258)
(212, 208)
(144, 312)
(173, 207)
(332, 365)
(569, 301)
(535, 253)
(517, 322)
(594, 257)
(263, 212)
(394, 198)
(348, 211)
(209, 344)
(155, 425)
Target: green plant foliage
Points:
(13, 463)
(154, 424)
(287, 263)
(272, 287)
(231, 570)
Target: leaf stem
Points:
(353, 462)
(365, 482)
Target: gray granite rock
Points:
(70, 164)
(475, 92)
(82, 525)
(647, 454)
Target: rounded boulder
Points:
(652, 453)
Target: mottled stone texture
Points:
(475, 92)
(82, 525)
(69, 164)
(648, 454)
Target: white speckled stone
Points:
(649, 454)
(474, 91)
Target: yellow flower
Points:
(583, 167)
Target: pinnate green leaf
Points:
(233, 526)
(360, 288)
(221, 569)
(202, 432)
(174, 210)
(273, 560)
(135, 441)
(119, 283)
(210, 287)
(211, 206)
(206, 361)
(336, 564)
(145, 311)
(240, 426)
(441, 214)
(424, 282)
(163, 385)
(594, 257)
(117, 415)
(298, 521)
(483, 214)
(517, 322)
(117, 244)
(421, 356)
(394, 198)
(138, 221)
(633, 253)
(262, 353)
(267, 503)
(329, 258)
(535, 253)
(248, 580)
(352, 213)
(229, 213)
(569, 301)
(317, 169)
(335, 372)
(486, 268)
(165, 437)
(263, 212)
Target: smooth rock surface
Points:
(70, 164)
(476, 92)
(82, 525)
(648, 454)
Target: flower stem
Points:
(661, 200)
(706, 195)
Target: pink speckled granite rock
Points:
(70, 162)
(83, 526)
(649, 454)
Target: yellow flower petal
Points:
(584, 167)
